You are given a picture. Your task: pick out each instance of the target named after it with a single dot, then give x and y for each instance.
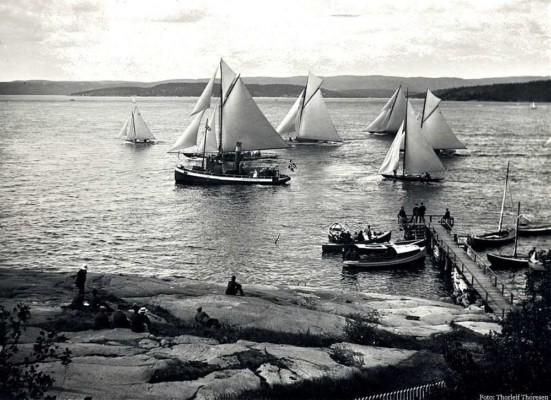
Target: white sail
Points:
(291, 122)
(244, 122)
(419, 157)
(392, 114)
(316, 122)
(312, 85)
(189, 137)
(228, 76)
(548, 143)
(124, 130)
(210, 131)
(204, 101)
(142, 131)
(436, 129)
(392, 159)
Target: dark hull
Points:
(413, 178)
(534, 230)
(492, 239)
(338, 247)
(500, 261)
(384, 263)
(185, 176)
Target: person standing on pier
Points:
(447, 217)
(414, 215)
(402, 217)
(80, 280)
(421, 212)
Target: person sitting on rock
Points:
(78, 302)
(203, 318)
(139, 322)
(234, 288)
(119, 318)
(102, 320)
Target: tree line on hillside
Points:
(533, 91)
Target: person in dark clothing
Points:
(203, 318)
(139, 321)
(531, 252)
(80, 279)
(78, 302)
(234, 287)
(414, 214)
(94, 300)
(421, 212)
(369, 233)
(402, 217)
(447, 216)
(102, 320)
(361, 237)
(119, 318)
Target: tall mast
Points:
(134, 125)
(221, 106)
(297, 129)
(504, 193)
(394, 103)
(205, 143)
(516, 233)
(424, 104)
(405, 132)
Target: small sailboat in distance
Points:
(392, 114)
(419, 158)
(309, 117)
(242, 127)
(533, 106)
(135, 129)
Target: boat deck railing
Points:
(204, 172)
(506, 292)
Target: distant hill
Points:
(347, 86)
(256, 90)
(537, 91)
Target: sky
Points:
(159, 40)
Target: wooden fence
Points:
(416, 393)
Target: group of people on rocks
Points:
(137, 321)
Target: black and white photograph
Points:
(268, 200)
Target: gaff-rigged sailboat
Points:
(242, 127)
(135, 130)
(308, 117)
(392, 114)
(419, 158)
(501, 236)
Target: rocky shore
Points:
(272, 337)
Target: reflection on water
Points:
(72, 193)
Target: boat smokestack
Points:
(237, 155)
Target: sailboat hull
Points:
(492, 239)
(191, 177)
(501, 261)
(414, 178)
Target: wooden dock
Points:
(473, 268)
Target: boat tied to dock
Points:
(370, 256)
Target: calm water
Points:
(72, 193)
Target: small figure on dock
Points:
(402, 217)
(102, 320)
(414, 214)
(421, 212)
(204, 319)
(80, 280)
(447, 217)
(234, 287)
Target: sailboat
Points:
(392, 114)
(548, 143)
(308, 118)
(135, 130)
(506, 261)
(242, 127)
(533, 106)
(419, 158)
(499, 237)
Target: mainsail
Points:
(135, 129)
(309, 116)
(419, 157)
(392, 159)
(392, 114)
(208, 144)
(436, 129)
(189, 137)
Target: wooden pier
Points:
(472, 266)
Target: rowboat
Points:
(337, 247)
(528, 230)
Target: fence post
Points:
(430, 218)
(502, 288)
(512, 296)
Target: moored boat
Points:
(383, 255)
(529, 230)
(499, 261)
(337, 247)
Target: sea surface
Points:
(72, 193)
